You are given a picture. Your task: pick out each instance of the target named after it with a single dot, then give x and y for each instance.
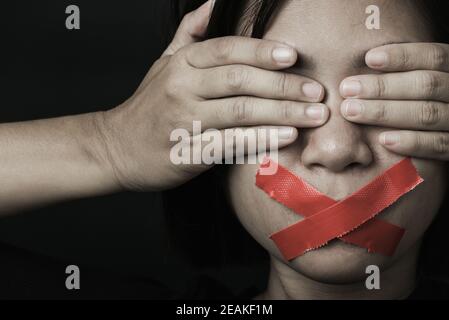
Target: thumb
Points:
(192, 28)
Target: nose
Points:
(338, 145)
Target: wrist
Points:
(102, 151)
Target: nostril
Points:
(335, 167)
(348, 156)
(354, 166)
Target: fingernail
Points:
(315, 112)
(390, 138)
(353, 108)
(351, 88)
(377, 59)
(283, 55)
(312, 90)
(285, 133)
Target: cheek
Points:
(255, 210)
(336, 262)
(420, 208)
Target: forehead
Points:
(335, 31)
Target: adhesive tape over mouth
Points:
(352, 220)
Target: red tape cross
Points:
(350, 220)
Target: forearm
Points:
(47, 161)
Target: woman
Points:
(235, 82)
(338, 158)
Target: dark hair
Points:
(227, 15)
(200, 219)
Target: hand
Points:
(224, 83)
(411, 94)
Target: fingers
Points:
(423, 76)
(428, 145)
(192, 28)
(413, 85)
(251, 111)
(241, 50)
(417, 115)
(409, 56)
(250, 81)
(246, 145)
(251, 141)
(231, 145)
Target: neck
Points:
(396, 282)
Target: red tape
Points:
(350, 220)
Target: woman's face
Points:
(340, 157)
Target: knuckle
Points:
(281, 85)
(262, 51)
(286, 110)
(170, 90)
(381, 87)
(404, 58)
(242, 110)
(173, 86)
(236, 78)
(429, 114)
(441, 144)
(223, 48)
(180, 55)
(416, 142)
(380, 114)
(178, 61)
(428, 82)
(438, 57)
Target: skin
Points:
(340, 157)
